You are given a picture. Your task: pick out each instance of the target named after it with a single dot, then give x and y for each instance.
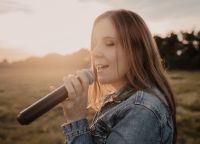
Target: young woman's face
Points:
(105, 51)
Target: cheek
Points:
(114, 72)
(123, 63)
(122, 68)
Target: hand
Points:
(75, 106)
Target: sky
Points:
(39, 27)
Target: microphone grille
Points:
(91, 76)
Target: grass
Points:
(21, 87)
(186, 86)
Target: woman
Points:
(131, 94)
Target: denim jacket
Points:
(127, 117)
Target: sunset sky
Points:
(38, 27)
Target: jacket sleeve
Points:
(138, 125)
(77, 132)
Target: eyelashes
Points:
(110, 44)
(107, 44)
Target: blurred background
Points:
(41, 41)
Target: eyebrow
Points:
(106, 37)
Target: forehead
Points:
(103, 29)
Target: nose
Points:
(96, 53)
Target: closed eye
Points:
(110, 44)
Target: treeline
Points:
(178, 51)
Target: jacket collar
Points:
(120, 95)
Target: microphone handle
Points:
(43, 105)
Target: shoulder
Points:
(152, 102)
(148, 110)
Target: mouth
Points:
(101, 67)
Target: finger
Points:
(69, 87)
(83, 78)
(76, 83)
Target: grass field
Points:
(21, 87)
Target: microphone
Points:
(44, 104)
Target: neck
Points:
(118, 85)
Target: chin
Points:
(105, 81)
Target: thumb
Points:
(52, 87)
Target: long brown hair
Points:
(143, 55)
